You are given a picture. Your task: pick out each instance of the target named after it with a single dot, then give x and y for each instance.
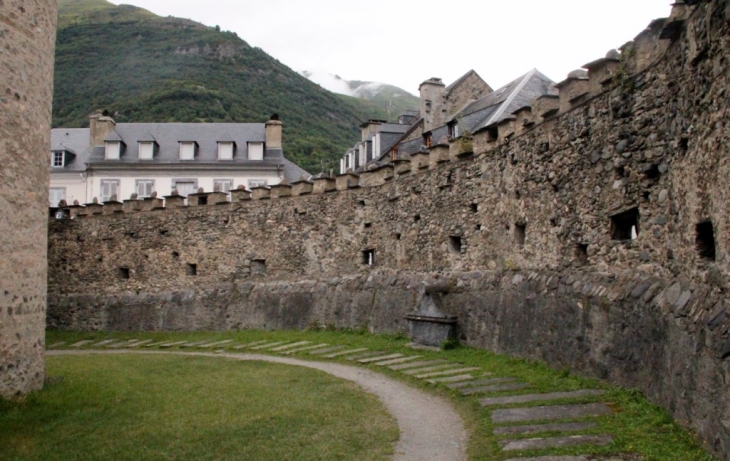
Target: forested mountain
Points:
(144, 68)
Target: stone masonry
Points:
(27, 41)
(590, 231)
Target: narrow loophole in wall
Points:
(520, 233)
(202, 200)
(581, 254)
(175, 254)
(620, 172)
(455, 245)
(417, 218)
(625, 226)
(258, 266)
(478, 227)
(705, 240)
(493, 133)
(164, 232)
(518, 194)
(474, 207)
(368, 257)
(652, 172)
(361, 202)
(191, 269)
(368, 225)
(684, 144)
(398, 236)
(123, 273)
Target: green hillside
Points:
(145, 68)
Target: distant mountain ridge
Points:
(146, 68)
(389, 98)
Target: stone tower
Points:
(432, 103)
(27, 41)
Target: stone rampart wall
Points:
(27, 41)
(594, 238)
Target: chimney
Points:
(432, 103)
(100, 127)
(273, 132)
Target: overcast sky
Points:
(404, 42)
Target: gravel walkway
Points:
(430, 428)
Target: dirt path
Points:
(430, 428)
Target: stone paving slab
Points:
(398, 361)
(417, 371)
(555, 442)
(255, 343)
(173, 344)
(141, 343)
(55, 345)
(290, 346)
(123, 344)
(267, 346)
(481, 382)
(156, 344)
(104, 343)
(82, 343)
(363, 355)
(328, 350)
(303, 349)
(347, 352)
(541, 397)
(554, 458)
(516, 415)
(378, 359)
(450, 379)
(422, 363)
(537, 428)
(494, 388)
(447, 372)
(216, 344)
(194, 344)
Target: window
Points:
(705, 240)
(146, 150)
(368, 257)
(428, 140)
(145, 188)
(456, 245)
(109, 189)
(59, 160)
(113, 150)
(225, 150)
(223, 185)
(625, 226)
(521, 234)
(187, 151)
(185, 187)
(255, 151)
(56, 194)
(454, 130)
(256, 183)
(191, 270)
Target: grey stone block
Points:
(537, 428)
(555, 442)
(540, 397)
(515, 415)
(494, 388)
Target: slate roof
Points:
(74, 140)
(168, 136)
(500, 104)
(459, 81)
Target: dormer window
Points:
(225, 150)
(58, 159)
(113, 150)
(255, 151)
(187, 150)
(454, 131)
(147, 150)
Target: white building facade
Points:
(113, 161)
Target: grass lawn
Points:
(188, 408)
(638, 427)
